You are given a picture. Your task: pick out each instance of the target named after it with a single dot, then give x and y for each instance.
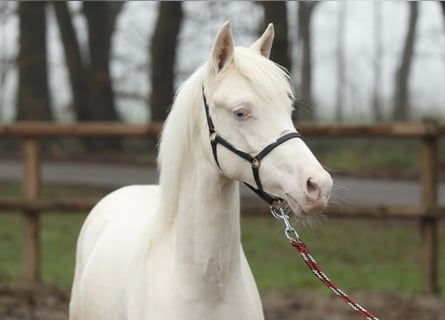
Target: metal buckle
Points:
(213, 134)
(289, 231)
(255, 163)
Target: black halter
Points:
(255, 160)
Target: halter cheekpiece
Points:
(255, 160)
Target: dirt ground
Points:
(44, 303)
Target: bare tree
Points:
(101, 17)
(341, 60)
(163, 54)
(401, 98)
(377, 62)
(33, 91)
(90, 78)
(305, 10)
(77, 69)
(276, 12)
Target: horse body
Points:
(124, 273)
(173, 251)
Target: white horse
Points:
(173, 251)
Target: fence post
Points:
(428, 225)
(31, 190)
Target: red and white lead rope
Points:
(313, 265)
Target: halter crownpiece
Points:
(255, 160)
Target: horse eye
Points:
(241, 114)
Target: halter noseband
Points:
(255, 161)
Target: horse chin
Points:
(295, 206)
(300, 217)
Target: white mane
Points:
(180, 130)
(270, 81)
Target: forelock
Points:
(269, 80)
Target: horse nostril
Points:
(313, 191)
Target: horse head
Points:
(249, 102)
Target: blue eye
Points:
(241, 113)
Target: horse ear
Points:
(264, 44)
(222, 50)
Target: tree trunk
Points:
(101, 17)
(305, 9)
(73, 57)
(341, 61)
(33, 90)
(276, 12)
(100, 31)
(401, 99)
(377, 63)
(163, 53)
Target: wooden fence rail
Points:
(427, 212)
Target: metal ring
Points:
(213, 134)
(291, 234)
(255, 163)
(279, 214)
(275, 213)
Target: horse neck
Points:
(207, 222)
(199, 207)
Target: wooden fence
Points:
(428, 212)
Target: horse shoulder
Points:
(108, 245)
(130, 204)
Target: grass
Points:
(58, 240)
(58, 243)
(58, 236)
(372, 255)
(376, 255)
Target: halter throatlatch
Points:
(255, 160)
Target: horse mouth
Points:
(295, 206)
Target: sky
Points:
(130, 64)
